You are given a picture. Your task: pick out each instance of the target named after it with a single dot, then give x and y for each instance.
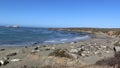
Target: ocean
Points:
(26, 36)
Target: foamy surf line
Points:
(34, 36)
(65, 40)
(53, 41)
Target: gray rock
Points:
(107, 51)
(82, 54)
(74, 51)
(75, 56)
(35, 51)
(104, 47)
(53, 48)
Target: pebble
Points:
(74, 51)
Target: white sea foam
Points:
(67, 39)
(50, 41)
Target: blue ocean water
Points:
(28, 36)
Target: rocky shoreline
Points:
(66, 55)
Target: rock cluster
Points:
(89, 50)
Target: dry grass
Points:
(60, 53)
(114, 61)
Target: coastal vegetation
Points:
(60, 53)
(108, 31)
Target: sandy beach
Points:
(83, 53)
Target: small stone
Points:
(74, 51)
(73, 42)
(74, 56)
(34, 51)
(103, 46)
(96, 52)
(82, 54)
(107, 51)
(53, 48)
(79, 49)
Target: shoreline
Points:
(98, 47)
(76, 39)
